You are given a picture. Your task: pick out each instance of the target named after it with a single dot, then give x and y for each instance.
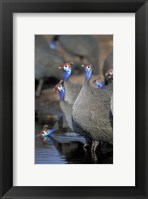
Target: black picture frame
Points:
(7, 8)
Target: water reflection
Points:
(67, 148)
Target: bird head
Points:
(88, 71)
(99, 82)
(67, 70)
(60, 88)
(46, 132)
(109, 74)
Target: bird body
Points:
(108, 89)
(91, 112)
(67, 111)
(71, 91)
(111, 105)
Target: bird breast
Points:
(91, 112)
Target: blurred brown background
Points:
(105, 43)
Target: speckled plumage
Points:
(67, 110)
(109, 89)
(91, 112)
(111, 105)
(71, 91)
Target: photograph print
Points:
(73, 99)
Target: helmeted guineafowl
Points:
(67, 111)
(91, 112)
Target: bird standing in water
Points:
(67, 111)
(65, 106)
(91, 111)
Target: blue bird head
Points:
(60, 88)
(67, 69)
(99, 82)
(46, 132)
(88, 71)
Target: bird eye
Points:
(66, 67)
(88, 67)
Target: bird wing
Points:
(99, 113)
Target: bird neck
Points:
(67, 74)
(62, 95)
(88, 75)
(86, 83)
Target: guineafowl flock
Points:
(88, 110)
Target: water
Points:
(67, 148)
